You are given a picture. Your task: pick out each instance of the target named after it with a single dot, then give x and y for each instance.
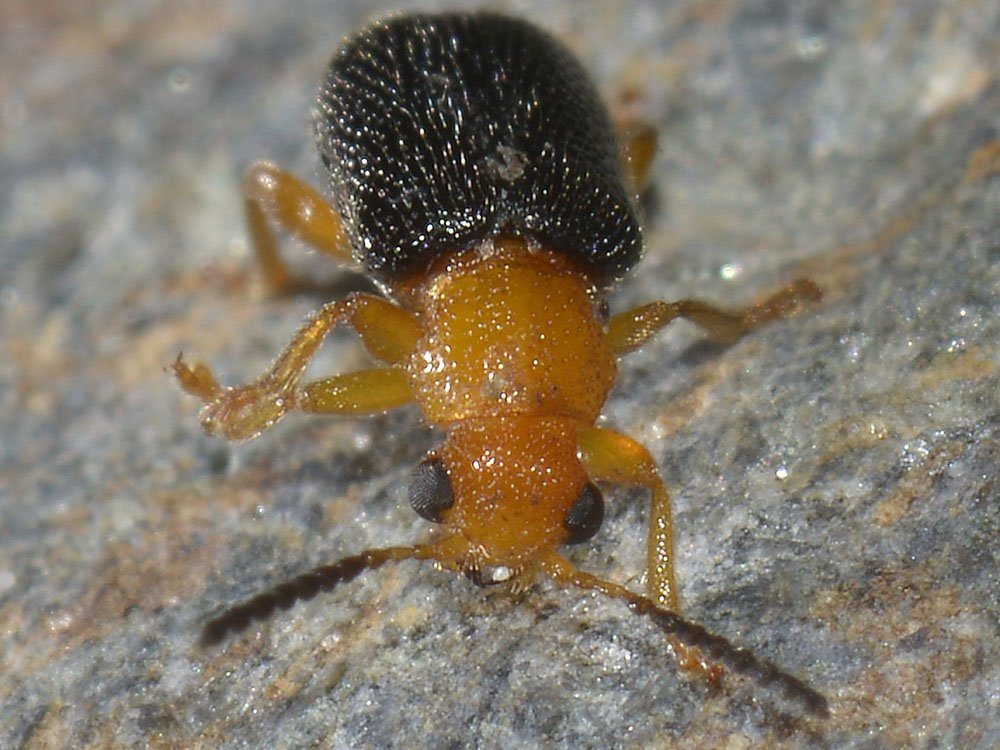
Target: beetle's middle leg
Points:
(387, 331)
(629, 330)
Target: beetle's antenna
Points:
(732, 657)
(306, 586)
(691, 635)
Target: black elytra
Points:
(441, 131)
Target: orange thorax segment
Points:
(509, 332)
(514, 480)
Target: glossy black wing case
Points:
(440, 131)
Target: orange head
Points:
(508, 490)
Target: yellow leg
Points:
(388, 332)
(638, 149)
(362, 392)
(610, 456)
(271, 193)
(240, 413)
(628, 331)
(613, 457)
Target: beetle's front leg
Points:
(612, 457)
(243, 412)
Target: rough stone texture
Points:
(834, 475)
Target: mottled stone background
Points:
(835, 475)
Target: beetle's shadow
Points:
(335, 284)
(652, 205)
(700, 351)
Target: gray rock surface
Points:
(834, 475)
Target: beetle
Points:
(477, 179)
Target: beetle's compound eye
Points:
(586, 515)
(430, 490)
